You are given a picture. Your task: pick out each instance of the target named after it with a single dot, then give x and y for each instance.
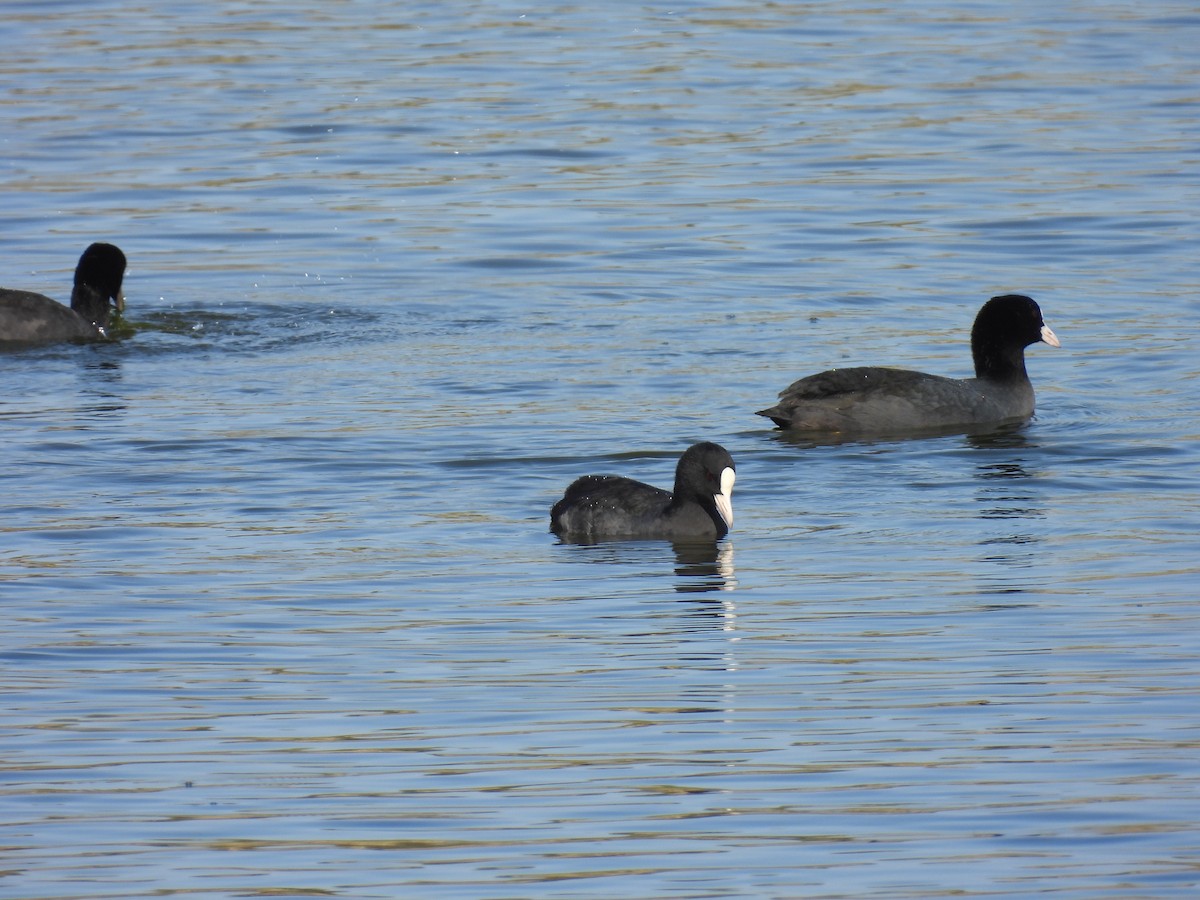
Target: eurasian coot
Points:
(29, 318)
(878, 400)
(599, 507)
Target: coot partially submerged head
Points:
(877, 400)
(30, 318)
(597, 507)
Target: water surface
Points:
(283, 617)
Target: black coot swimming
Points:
(29, 318)
(598, 507)
(878, 400)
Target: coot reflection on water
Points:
(30, 318)
(880, 400)
(598, 507)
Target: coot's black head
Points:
(1005, 326)
(98, 280)
(705, 475)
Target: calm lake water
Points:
(282, 613)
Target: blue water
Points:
(282, 614)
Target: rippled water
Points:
(283, 617)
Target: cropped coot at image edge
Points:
(96, 303)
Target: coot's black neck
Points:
(706, 502)
(710, 507)
(998, 363)
(91, 304)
